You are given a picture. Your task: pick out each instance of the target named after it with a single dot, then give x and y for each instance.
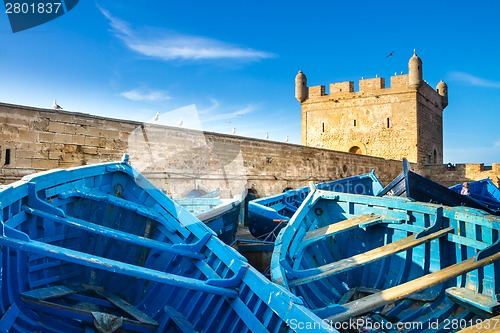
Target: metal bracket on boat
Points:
(194, 247)
(233, 281)
(438, 224)
(489, 251)
(35, 202)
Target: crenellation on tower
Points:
(341, 87)
(372, 85)
(316, 91)
(399, 81)
(403, 120)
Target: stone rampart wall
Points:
(179, 160)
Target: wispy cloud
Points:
(210, 116)
(170, 46)
(473, 80)
(487, 153)
(145, 95)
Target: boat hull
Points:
(99, 248)
(414, 186)
(223, 216)
(389, 261)
(267, 216)
(483, 191)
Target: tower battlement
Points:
(370, 85)
(401, 120)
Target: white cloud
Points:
(145, 95)
(472, 80)
(170, 46)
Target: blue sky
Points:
(220, 65)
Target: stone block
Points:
(63, 138)
(78, 139)
(46, 137)
(44, 164)
(56, 127)
(91, 141)
(26, 135)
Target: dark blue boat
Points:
(483, 191)
(267, 216)
(221, 215)
(100, 249)
(414, 186)
(390, 264)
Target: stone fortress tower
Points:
(404, 120)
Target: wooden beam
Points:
(332, 229)
(365, 258)
(372, 302)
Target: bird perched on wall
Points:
(390, 54)
(286, 139)
(55, 106)
(267, 136)
(233, 131)
(181, 122)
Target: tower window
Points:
(355, 150)
(354, 122)
(388, 123)
(323, 127)
(7, 157)
(435, 156)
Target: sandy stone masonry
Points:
(403, 120)
(179, 160)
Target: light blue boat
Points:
(267, 216)
(100, 249)
(221, 215)
(391, 264)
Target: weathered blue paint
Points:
(99, 246)
(391, 259)
(221, 215)
(267, 216)
(414, 186)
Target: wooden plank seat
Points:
(372, 302)
(473, 301)
(335, 228)
(45, 300)
(313, 274)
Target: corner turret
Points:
(414, 71)
(442, 89)
(301, 87)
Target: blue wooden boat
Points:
(391, 262)
(100, 249)
(267, 216)
(221, 215)
(414, 186)
(484, 191)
